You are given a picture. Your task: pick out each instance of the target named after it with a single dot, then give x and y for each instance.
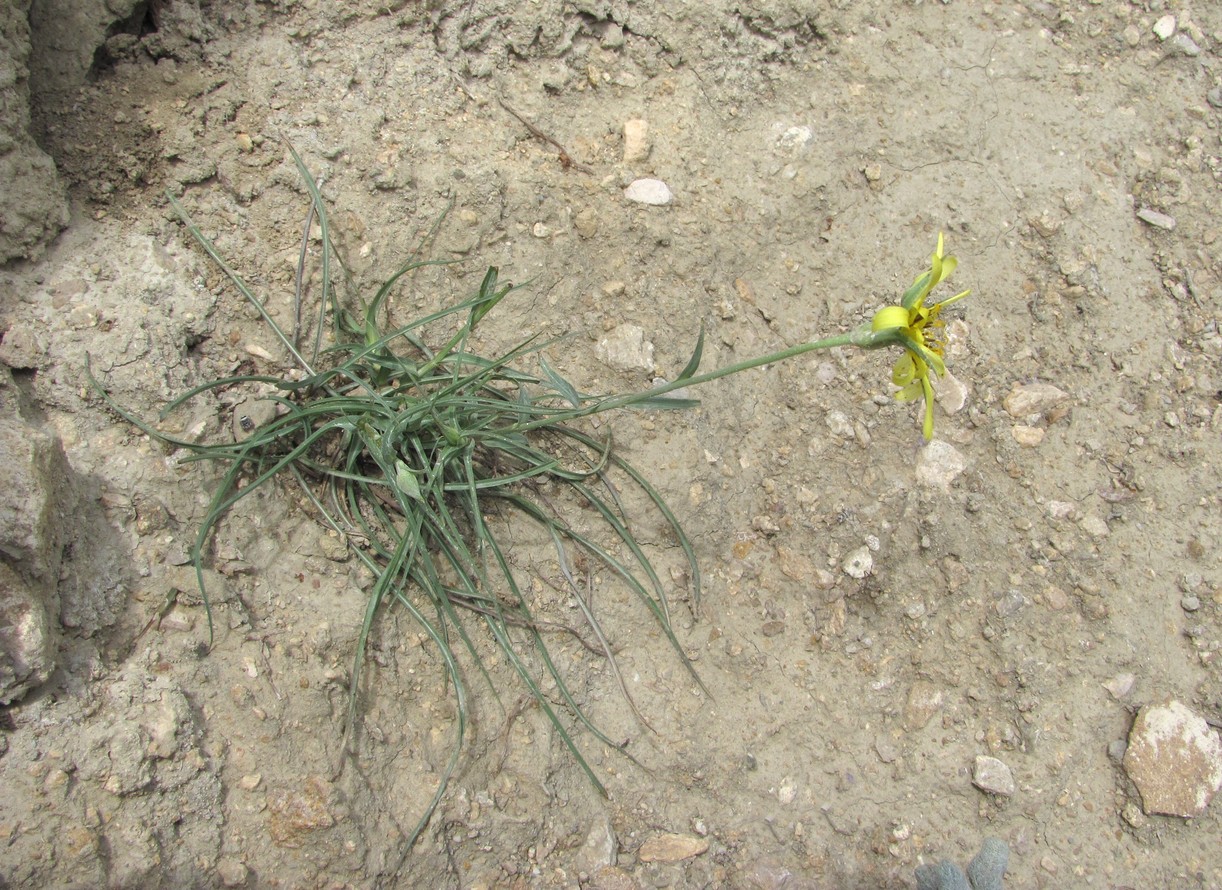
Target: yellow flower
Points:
(919, 329)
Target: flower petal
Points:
(949, 265)
(889, 317)
(947, 302)
(921, 354)
(905, 370)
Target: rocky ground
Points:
(1010, 632)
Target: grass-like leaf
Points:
(405, 450)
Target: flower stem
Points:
(862, 337)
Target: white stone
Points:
(839, 424)
(951, 393)
(787, 793)
(649, 191)
(939, 464)
(859, 563)
(626, 348)
(1060, 509)
(600, 848)
(1030, 399)
(1027, 436)
(1164, 27)
(1120, 685)
(795, 138)
(1095, 526)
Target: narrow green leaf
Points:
(559, 384)
(693, 364)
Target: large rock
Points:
(1174, 759)
(33, 204)
(27, 634)
(34, 502)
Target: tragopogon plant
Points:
(407, 450)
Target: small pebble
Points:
(1095, 526)
(1164, 27)
(1132, 814)
(952, 394)
(601, 849)
(1056, 599)
(586, 223)
(1120, 685)
(1060, 509)
(1186, 45)
(859, 563)
(626, 348)
(1156, 219)
(1190, 603)
(763, 874)
(839, 424)
(924, 700)
(1045, 225)
(825, 372)
(232, 873)
(258, 352)
(991, 775)
(649, 191)
(1027, 436)
(1189, 582)
(1010, 603)
(787, 793)
(795, 137)
(1035, 399)
(636, 140)
(671, 848)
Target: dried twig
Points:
(566, 160)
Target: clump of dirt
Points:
(908, 648)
